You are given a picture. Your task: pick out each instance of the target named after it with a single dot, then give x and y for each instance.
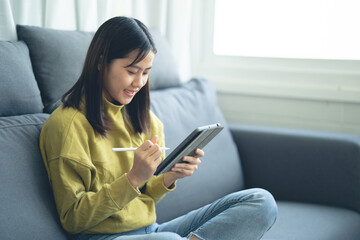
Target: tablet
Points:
(199, 138)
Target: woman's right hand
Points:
(147, 158)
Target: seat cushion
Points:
(19, 93)
(299, 221)
(181, 110)
(26, 201)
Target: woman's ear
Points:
(99, 63)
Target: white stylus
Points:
(133, 149)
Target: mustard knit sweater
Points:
(91, 190)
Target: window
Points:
(304, 29)
(271, 71)
(246, 47)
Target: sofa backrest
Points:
(26, 201)
(57, 57)
(19, 93)
(182, 109)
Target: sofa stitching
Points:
(22, 125)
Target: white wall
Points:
(334, 116)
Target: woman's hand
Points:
(181, 170)
(146, 160)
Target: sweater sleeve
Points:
(79, 208)
(156, 189)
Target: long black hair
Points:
(115, 38)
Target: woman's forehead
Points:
(146, 62)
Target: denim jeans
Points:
(246, 214)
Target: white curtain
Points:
(172, 17)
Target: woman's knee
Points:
(267, 207)
(261, 204)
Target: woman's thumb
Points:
(155, 139)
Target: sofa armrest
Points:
(300, 165)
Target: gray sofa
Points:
(314, 176)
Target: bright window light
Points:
(310, 29)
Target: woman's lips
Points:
(129, 93)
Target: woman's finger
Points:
(158, 160)
(190, 167)
(192, 160)
(199, 153)
(183, 172)
(146, 145)
(155, 139)
(154, 151)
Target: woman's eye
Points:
(131, 73)
(145, 73)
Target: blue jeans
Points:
(246, 214)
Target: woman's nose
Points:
(138, 81)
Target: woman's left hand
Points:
(181, 170)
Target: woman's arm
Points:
(79, 207)
(156, 189)
(146, 162)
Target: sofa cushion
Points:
(57, 57)
(299, 221)
(181, 110)
(26, 203)
(164, 73)
(19, 93)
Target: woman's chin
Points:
(123, 101)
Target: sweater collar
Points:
(109, 107)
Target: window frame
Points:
(313, 79)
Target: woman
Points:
(101, 194)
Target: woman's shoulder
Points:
(63, 115)
(62, 119)
(66, 130)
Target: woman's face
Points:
(122, 82)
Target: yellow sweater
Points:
(91, 190)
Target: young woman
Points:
(101, 194)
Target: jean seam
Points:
(208, 216)
(147, 230)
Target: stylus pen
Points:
(133, 149)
